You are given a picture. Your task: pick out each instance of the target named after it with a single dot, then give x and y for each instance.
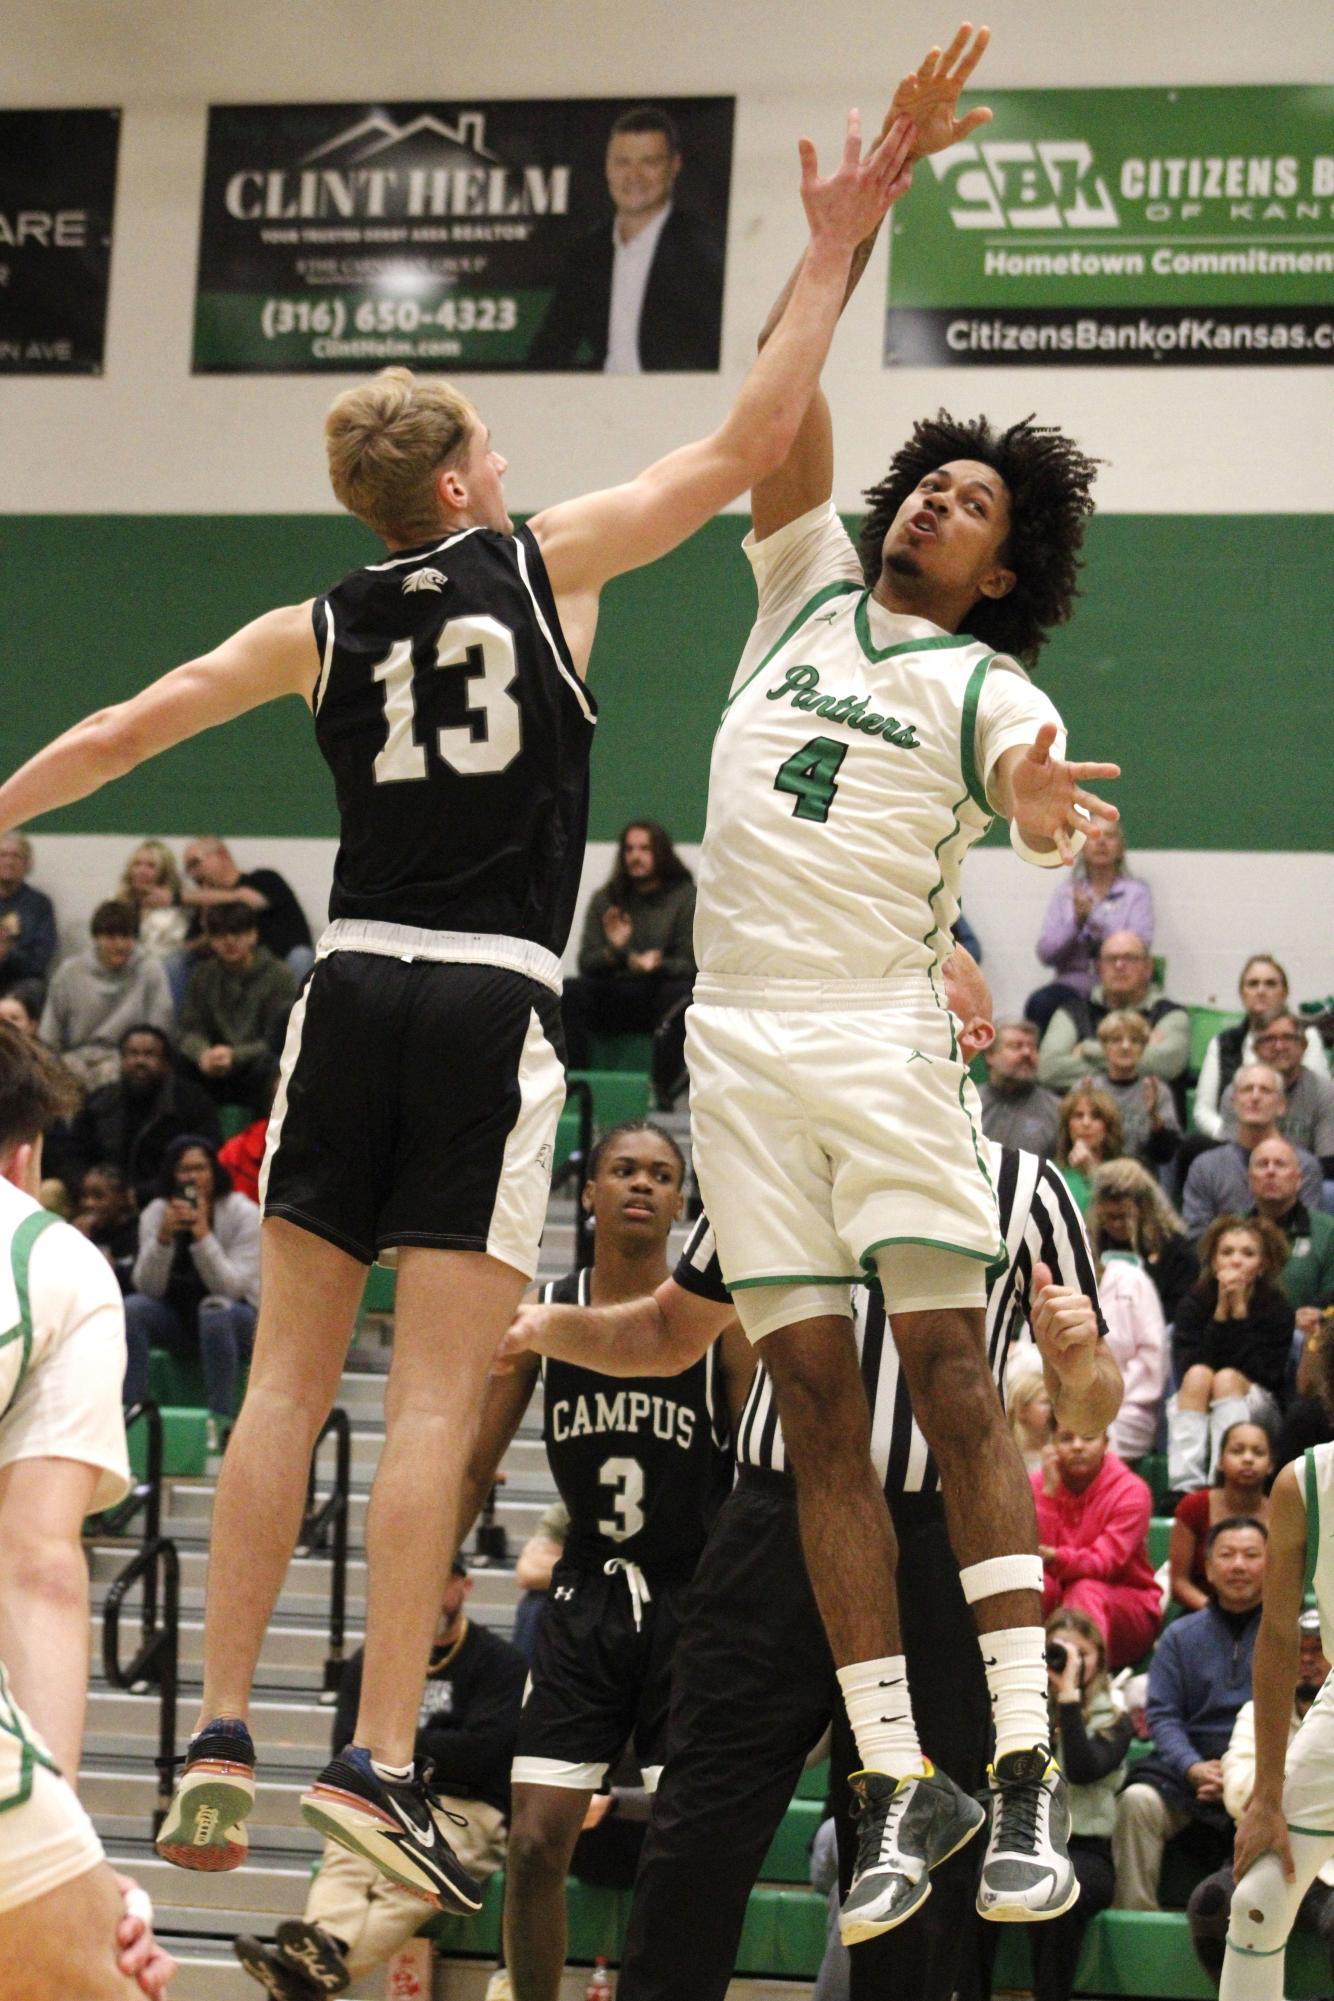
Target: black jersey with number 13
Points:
(458, 734)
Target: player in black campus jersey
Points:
(421, 1080)
(753, 1677)
(642, 1464)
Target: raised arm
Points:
(659, 1335)
(1262, 1827)
(585, 542)
(273, 655)
(1044, 800)
(928, 97)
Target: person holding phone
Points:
(196, 1278)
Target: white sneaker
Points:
(1027, 1874)
(498, 1986)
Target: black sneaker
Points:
(205, 1824)
(1027, 1875)
(314, 1954)
(398, 1825)
(277, 1979)
(905, 1828)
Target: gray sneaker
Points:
(1027, 1874)
(904, 1828)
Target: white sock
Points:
(875, 1694)
(1016, 1667)
(392, 1774)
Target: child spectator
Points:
(1093, 1541)
(106, 1214)
(1232, 1344)
(1091, 1735)
(1245, 1464)
(1137, 1337)
(95, 996)
(196, 1278)
(1090, 1134)
(1131, 1213)
(1028, 1401)
(1150, 1129)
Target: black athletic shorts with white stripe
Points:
(602, 1677)
(418, 1102)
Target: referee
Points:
(753, 1681)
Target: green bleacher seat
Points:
(1152, 1469)
(1160, 1535)
(617, 1095)
(234, 1119)
(184, 1442)
(379, 1294)
(175, 1379)
(814, 1783)
(1149, 1953)
(621, 1052)
(788, 1860)
(1205, 1024)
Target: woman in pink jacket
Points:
(1092, 1535)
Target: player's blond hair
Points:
(386, 442)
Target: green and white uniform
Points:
(62, 1363)
(1308, 1784)
(832, 1114)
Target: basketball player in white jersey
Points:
(878, 722)
(1286, 1834)
(422, 1080)
(64, 1916)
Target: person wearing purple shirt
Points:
(1097, 898)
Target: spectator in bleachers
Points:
(1198, 1680)
(27, 920)
(637, 954)
(1150, 1128)
(1210, 1901)
(22, 1007)
(1131, 1213)
(1016, 1109)
(106, 1212)
(243, 1154)
(1028, 1406)
(1217, 1183)
(1137, 1337)
(96, 995)
(235, 1011)
(196, 1279)
(1070, 1048)
(1093, 1541)
(1090, 1134)
(1307, 1118)
(151, 884)
(1245, 1467)
(1306, 1421)
(1097, 898)
(1231, 1345)
(356, 1918)
(132, 1121)
(1090, 1736)
(1264, 990)
(216, 879)
(1275, 1178)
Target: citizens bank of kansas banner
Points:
(1123, 226)
(57, 195)
(464, 236)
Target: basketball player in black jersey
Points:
(753, 1678)
(421, 1080)
(642, 1466)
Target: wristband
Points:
(138, 1904)
(1043, 857)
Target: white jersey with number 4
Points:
(849, 774)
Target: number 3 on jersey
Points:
(625, 1477)
(483, 647)
(810, 773)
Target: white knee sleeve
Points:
(1264, 1905)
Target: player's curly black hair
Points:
(1048, 478)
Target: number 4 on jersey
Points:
(810, 773)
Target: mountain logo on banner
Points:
(372, 137)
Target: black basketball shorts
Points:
(599, 1681)
(417, 1104)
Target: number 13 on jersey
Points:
(484, 648)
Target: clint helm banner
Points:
(582, 233)
(1123, 226)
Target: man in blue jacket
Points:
(1200, 1677)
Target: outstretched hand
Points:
(851, 203)
(520, 1337)
(1047, 795)
(929, 97)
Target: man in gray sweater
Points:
(95, 996)
(235, 1010)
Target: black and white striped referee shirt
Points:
(1040, 1224)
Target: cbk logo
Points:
(1012, 184)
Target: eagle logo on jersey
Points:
(425, 580)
